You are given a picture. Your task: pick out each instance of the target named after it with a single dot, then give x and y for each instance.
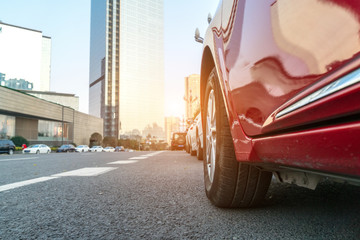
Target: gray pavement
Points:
(157, 197)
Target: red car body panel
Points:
(332, 149)
(270, 54)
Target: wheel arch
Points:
(243, 150)
(207, 64)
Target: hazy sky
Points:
(67, 22)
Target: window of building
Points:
(53, 131)
(7, 126)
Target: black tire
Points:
(11, 151)
(37, 152)
(199, 152)
(228, 183)
(187, 148)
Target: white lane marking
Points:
(153, 154)
(24, 183)
(17, 159)
(85, 172)
(124, 162)
(137, 158)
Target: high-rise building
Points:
(127, 64)
(25, 55)
(192, 95)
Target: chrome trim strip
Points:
(331, 88)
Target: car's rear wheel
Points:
(187, 147)
(228, 183)
(37, 152)
(11, 152)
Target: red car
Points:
(280, 94)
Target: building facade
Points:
(127, 65)
(192, 95)
(41, 121)
(66, 99)
(25, 55)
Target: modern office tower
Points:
(127, 65)
(25, 55)
(192, 95)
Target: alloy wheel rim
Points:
(211, 135)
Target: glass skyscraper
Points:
(127, 65)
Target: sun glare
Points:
(175, 108)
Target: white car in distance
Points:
(96, 149)
(82, 148)
(37, 149)
(109, 149)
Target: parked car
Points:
(66, 148)
(109, 149)
(190, 137)
(187, 144)
(96, 149)
(199, 138)
(277, 100)
(119, 149)
(82, 148)
(37, 149)
(194, 138)
(178, 141)
(7, 146)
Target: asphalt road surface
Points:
(156, 195)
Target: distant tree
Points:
(19, 141)
(95, 139)
(110, 141)
(129, 143)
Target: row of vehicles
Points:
(190, 141)
(7, 146)
(86, 148)
(194, 138)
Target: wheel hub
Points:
(211, 135)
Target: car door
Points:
(276, 52)
(2, 146)
(43, 148)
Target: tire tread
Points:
(235, 184)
